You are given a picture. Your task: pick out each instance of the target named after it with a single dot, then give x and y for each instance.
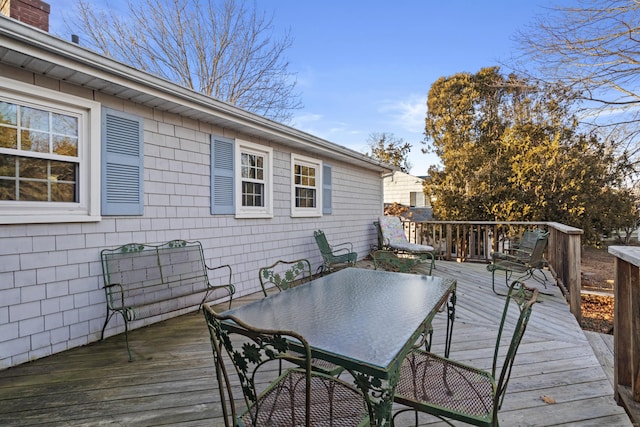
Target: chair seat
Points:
(350, 257)
(506, 265)
(282, 404)
(412, 247)
(428, 380)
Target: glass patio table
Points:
(363, 320)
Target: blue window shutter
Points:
(326, 190)
(222, 175)
(122, 163)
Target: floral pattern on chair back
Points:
(392, 230)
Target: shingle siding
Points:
(50, 291)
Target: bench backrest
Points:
(148, 273)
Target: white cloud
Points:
(406, 114)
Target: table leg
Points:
(380, 395)
(451, 316)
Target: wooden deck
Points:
(171, 382)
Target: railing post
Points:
(626, 329)
(573, 279)
(449, 241)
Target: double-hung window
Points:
(253, 180)
(306, 185)
(49, 171)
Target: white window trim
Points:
(88, 113)
(306, 212)
(265, 211)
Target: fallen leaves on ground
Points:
(547, 399)
(597, 313)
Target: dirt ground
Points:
(597, 276)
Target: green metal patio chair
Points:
(390, 261)
(298, 396)
(449, 389)
(522, 248)
(284, 275)
(334, 257)
(524, 264)
(394, 239)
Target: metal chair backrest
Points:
(285, 274)
(536, 258)
(524, 298)
(256, 348)
(323, 244)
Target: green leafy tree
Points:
(511, 151)
(389, 149)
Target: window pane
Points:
(65, 125)
(34, 191)
(65, 146)
(38, 180)
(8, 113)
(251, 166)
(7, 189)
(63, 171)
(63, 192)
(305, 198)
(33, 168)
(7, 165)
(252, 194)
(8, 137)
(34, 141)
(35, 119)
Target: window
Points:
(306, 183)
(416, 199)
(49, 171)
(253, 181)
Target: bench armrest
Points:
(109, 291)
(228, 285)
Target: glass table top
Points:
(358, 317)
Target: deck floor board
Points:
(172, 382)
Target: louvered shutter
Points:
(122, 163)
(326, 190)
(222, 175)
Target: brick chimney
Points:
(32, 12)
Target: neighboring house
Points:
(407, 190)
(95, 154)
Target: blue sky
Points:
(366, 66)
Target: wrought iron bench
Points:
(143, 280)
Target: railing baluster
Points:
(476, 240)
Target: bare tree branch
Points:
(593, 48)
(220, 48)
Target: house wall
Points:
(51, 296)
(398, 187)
